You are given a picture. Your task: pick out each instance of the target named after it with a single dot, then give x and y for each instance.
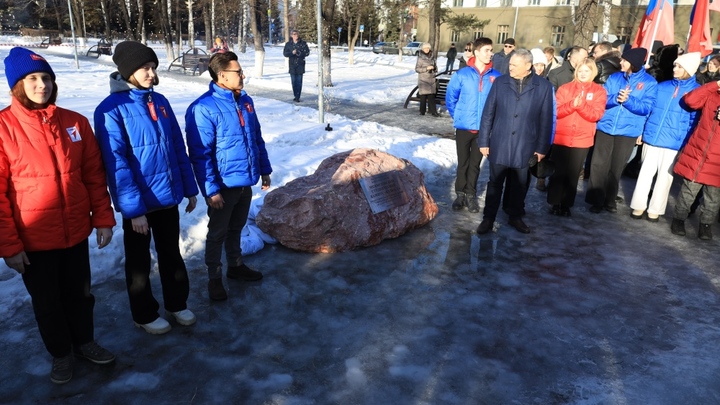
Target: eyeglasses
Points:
(509, 46)
(239, 71)
(468, 50)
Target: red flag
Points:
(699, 39)
(658, 24)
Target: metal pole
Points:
(517, 9)
(321, 102)
(72, 29)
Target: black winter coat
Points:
(297, 59)
(606, 67)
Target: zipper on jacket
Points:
(46, 124)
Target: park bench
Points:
(104, 47)
(192, 60)
(441, 83)
(50, 41)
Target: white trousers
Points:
(658, 161)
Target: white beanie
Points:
(538, 56)
(689, 62)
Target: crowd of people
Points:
(58, 177)
(583, 118)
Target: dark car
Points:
(380, 46)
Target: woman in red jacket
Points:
(699, 162)
(580, 104)
(52, 193)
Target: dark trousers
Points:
(58, 282)
(224, 228)
(469, 158)
(296, 81)
(610, 157)
(429, 100)
(516, 181)
(562, 188)
(165, 231)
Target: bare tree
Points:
(257, 36)
(328, 14)
(191, 24)
(163, 14)
(286, 19)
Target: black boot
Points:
(471, 203)
(677, 227)
(459, 202)
(705, 232)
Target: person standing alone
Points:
(296, 50)
(450, 55)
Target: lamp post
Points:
(72, 30)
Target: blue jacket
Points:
(516, 125)
(628, 118)
(225, 142)
(671, 121)
(465, 104)
(145, 158)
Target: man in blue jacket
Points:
(465, 98)
(229, 157)
(516, 124)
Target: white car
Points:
(412, 48)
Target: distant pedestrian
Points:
(149, 174)
(219, 46)
(669, 125)
(296, 50)
(229, 157)
(450, 55)
(426, 68)
(516, 124)
(501, 60)
(698, 163)
(466, 56)
(465, 98)
(580, 104)
(52, 194)
(631, 95)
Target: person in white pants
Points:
(669, 125)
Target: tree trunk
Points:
(242, 27)
(126, 11)
(286, 20)
(58, 8)
(141, 21)
(328, 14)
(607, 11)
(162, 12)
(191, 24)
(209, 32)
(106, 19)
(257, 36)
(77, 20)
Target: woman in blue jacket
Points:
(668, 127)
(631, 96)
(149, 174)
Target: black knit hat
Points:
(635, 56)
(129, 56)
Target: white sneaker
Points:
(184, 317)
(156, 327)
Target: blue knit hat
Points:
(20, 62)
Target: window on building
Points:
(506, 3)
(533, 2)
(457, 3)
(455, 36)
(558, 34)
(480, 3)
(502, 33)
(623, 34)
(477, 35)
(628, 2)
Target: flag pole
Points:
(654, 34)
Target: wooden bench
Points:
(192, 60)
(50, 41)
(441, 83)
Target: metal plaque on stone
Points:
(384, 191)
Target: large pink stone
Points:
(328, 212)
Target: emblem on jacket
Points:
(640, 86)
(492, 79)
(589, 97)
(249, 108)
(74, 134)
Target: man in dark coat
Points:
(566, 73)
(500, 60)
(296, 50)
(607, 60)
(451, 54)
(516, 124)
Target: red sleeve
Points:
(592, 110)
(697, 98)
(10, 243)
(93, 173)
(564, 100)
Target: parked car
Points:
(412, 48)
(380, 46)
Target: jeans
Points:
(58, 282)
(224, 228)
(429, 101)
(296, 81)
(469, 158)
(164, 228)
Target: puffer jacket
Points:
(52, 182)
(628, 119)
(699, 160)
(607, 65)
(143, 150)
(671, 121)
(465, 105)
(426, 79)
(225, 142)
(575, 127)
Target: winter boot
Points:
(459, 202)
(216, 290)
(705, 232)
(471, 202)
(678, 227)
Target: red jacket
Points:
(575, 127)
(699, 160)
(52, 181)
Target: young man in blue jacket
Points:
(465, 98)
(229, 157)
